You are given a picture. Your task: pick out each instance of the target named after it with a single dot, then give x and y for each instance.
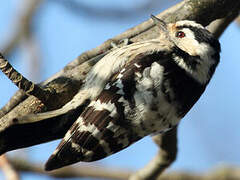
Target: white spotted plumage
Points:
(137, 90)
(99, 106)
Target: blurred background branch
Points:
(21, 165)
(24, 35)
(7, 168)
(131, 10)
(22, 25)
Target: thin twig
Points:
(22, 25)
(21, 82)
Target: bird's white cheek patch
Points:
(188, 44)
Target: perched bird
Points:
(136, 90)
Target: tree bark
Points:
(69, 80)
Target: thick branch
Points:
(67, 82)
(18, 97)
(218, 27)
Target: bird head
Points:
(195, 43)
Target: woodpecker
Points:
(139, 89)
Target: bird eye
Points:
(180, 34)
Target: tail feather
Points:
(82, 145)
(100, 131)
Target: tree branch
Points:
(22, 26)
(167, 143)
(117, 13)
(67, 82)
(22, 83)
(9, 172)
(70, 172)
(119, 174)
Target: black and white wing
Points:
(103, 127)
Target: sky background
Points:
(208, 136)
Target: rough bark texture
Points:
(67, 82)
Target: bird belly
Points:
(152, 112)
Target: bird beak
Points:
(160, 23)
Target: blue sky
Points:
(209, 134)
